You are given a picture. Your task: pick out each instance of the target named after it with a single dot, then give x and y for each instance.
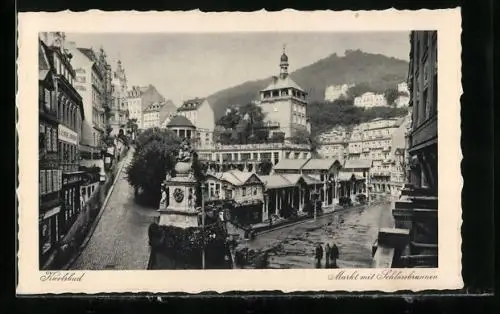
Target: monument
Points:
(180, 191)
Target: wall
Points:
(279, 111)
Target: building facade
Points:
(201, 115)
(334, 92)
(140, 98)
(90, 82)
(118, 114)
(414, 241)
(158, 114)
(70, 115)
(370, 100)
(50, 174)
(284, 102)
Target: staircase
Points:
(413, 240)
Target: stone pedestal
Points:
(181, 211)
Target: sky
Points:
(183, 66)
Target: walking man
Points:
(327, 255)
(334, 255)
(319, 255)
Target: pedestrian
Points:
(334, 255)
(319, 255)
(327, 255)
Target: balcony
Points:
(256, 147)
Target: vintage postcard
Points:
(191, 151)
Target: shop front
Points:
(70, 195)
(247, 213)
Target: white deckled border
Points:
(448, 24)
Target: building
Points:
(376, 146)
(140, 98)
(50, 174)
(414, 240)
(201, 115)
(182, 127)
(244, 188)
(334, 92)
(323, 172)
(354, 178)
(333, 143)
(284, 102)
(89, 83)
(118, 114)
(370, 100)
(70, 116)
(250, 157)
(158, 114)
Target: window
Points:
(243, 191)
(255, 191)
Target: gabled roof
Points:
(281, 83)
(319, 164)
(234, 177)
(275, 181)
(292, 177)
(357, 164)
(180, 121)
(192, 104)
(310, 180)
(290, 164)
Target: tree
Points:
(246, 125)
(391, 95)
(265, 167)
(358, 90)
(154, 156)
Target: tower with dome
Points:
(284, 102)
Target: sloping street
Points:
(120, 240)
(354, 230)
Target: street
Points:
(120, 240)
(354, 230)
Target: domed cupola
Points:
(284, 64)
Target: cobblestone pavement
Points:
(120, 240)
(354, 231)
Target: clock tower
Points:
(177, 204)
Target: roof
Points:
(280, 83)
(275, 181)
(319, 164)
(191, 104)
(89, 53)
(178, 121)
(292, 177)
(310, 180)
(357, 164)
(347, 176)
(43, 62)
(234, 177)
(290, 164)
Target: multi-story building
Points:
(139, 98)
(70, 115)
(119, 107)
(334, 92)
(201, 115)
(403, 95)
(284, 102)
(370, 100)
(50, 175)
(415, 241)
(89, 82)
(333, 143)
(158, 114)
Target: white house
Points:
(201, 115)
